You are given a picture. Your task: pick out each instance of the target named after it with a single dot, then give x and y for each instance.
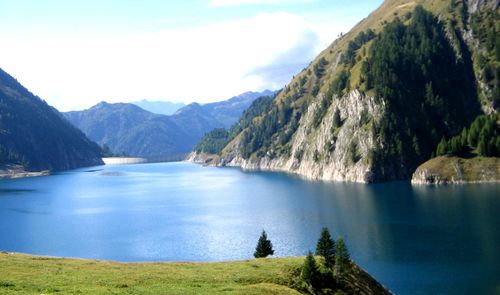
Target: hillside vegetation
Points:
(24, 274)
(376, 103)
(34, 136)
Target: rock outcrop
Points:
(455, 170)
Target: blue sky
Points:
(74, 54)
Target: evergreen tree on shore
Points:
(310, 271)
(264, 247)
(342, 257)
(326, 248)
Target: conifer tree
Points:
(310, 270)
(264, 247)
(342, 257)
(326, 248)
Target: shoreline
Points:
(16, 172)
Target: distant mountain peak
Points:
(128, 128)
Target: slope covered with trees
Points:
(36, 136)
(375, 104)
(214, 141)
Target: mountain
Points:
(227, 112)
(126, 128)
(159, 107)
(36, 136)
(374, 105)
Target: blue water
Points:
(415, 240)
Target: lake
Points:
(413, 239)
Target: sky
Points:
(74, 54)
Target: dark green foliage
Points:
(442, 148)
(310, 272)
(342, 257)
(213, 142)
(279, 122)
(483, 134)
(485, 26)
(326, 248)
(336, 88)
(349, 57)
(319, 67)
(36, 136)
(264, 247)
(315, 90)
(428, 92)
(340, 83)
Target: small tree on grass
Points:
(342, 258)
(310, 271)
(264, 247)
(326, 248)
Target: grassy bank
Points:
(452, 169)
(25, 274)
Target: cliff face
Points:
(327, 152)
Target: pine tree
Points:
(310, 271)
(342, 258)
(482, 146)
(326, 248)
(264, 247)
(463, 138)
(442, 148)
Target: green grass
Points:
(25, 274)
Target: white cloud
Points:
(244, 2)
(198, 64)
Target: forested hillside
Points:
(35, 136)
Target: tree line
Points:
(319, 273)
(483, 136)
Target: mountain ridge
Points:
(128, 129)
(159, 106)
(34, 136)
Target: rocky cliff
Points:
(327, 152)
